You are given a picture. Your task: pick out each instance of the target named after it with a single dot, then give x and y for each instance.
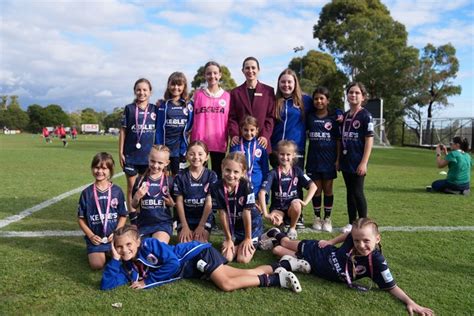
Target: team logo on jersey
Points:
(165, 190)
(153, 116)
(222, 102)
(190, 107)
(185, 111)
(114, 203)
(356, 124)
(295, 181)
(206, 188)
(241, 201)
(251, 198)
(387, 276)
(370, 127)
(360, 270)
(328, 126)
(258, 153)
(152, 259)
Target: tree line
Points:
(358, 40)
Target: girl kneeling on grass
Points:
(101, 210)
(153, 263)
(359, 256)
(284, 183)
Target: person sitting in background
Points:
(459, 164)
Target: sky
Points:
(82, 54)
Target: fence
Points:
(436, 131)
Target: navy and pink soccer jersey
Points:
(194, 193)
(237, 202)
(331, 263)
(138, 130)
(354, 130)
(154, 214)
(87, 209)
(284, 187)
(323, 134)
(174, 123)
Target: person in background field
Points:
(359, 256)
(46, 137)
(255, 99)
(291, 110)
(459, 164)
(255, 154)
(74, 133)
(150, 263)
(323, 156)
(233, 198)
(284, 182)
(152, 198)
(211, 114)
(137, 134)
(62, 135)
(193, 198)
(357, 141)
(101, 210)
(175, 119)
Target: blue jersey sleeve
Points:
(249, 195)
(267, 184)
(168, 263)
(82, 205)
(264, 163)
(369, 125)
(113, 276)
(160, 123)
(218, 202)
(303, 179)
(382, 275)
(125, 117)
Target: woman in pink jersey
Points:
(211, 112)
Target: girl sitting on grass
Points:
(359, 256)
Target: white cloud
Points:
(104, 93)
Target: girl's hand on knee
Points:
(185, 235)
(96, 240)
(247, 248)
(298, 202)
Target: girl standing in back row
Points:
(211, 113)
(357, 141)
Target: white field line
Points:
(68, 233)
(18, 217)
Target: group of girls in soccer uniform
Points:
(153, 149)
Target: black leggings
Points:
(356, 203)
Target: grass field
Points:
(50, 275)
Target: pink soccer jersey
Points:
(211, 114)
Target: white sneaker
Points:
(346, 229)
(317, 224)
(292, 234)
(327, 225)
(297, 265)
(266, 242)
(288, 280)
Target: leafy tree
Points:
(319, 69)
(37, 118)
(437, 67)
(75, 119)
(89, 116)
(227, 83)
(3, 103)
(113, 119)
(14, 117)
(371, 47)
(54, 115)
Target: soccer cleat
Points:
(266, 244)
(288, 280)
(428, 188)
(292, 234)
(317, 224)
(466, 192)
(300, 223)
(327, 225)
(297, 265)
(346, 229)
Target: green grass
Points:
(51, 275)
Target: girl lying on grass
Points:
(359, 256)
(153, 263)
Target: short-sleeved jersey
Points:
(285, 189)
(330, 263)
(138, 131)
(323, 133)
(257, 161)
(87, 209)
(242, 200)
(459, 164)
(354, 130)
(211, 114)
(194, 193)
(153, 209)
(174, 122)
